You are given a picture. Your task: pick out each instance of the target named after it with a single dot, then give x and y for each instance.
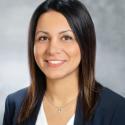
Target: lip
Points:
(55, 63)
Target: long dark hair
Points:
(82, 25)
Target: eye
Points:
(66, 37)
(43, 38)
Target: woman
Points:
(63, 90)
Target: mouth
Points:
(55, 63)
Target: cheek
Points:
(37, 53)
(38, 50)
(75, 52)
(34, 50)
(38, 56)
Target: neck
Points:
(61, 91)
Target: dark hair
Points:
(82, 25)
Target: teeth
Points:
(55, 62)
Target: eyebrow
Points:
(45, 32)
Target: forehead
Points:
(52, 20)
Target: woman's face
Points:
(56, 50)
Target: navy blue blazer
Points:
(110, 109)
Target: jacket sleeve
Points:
(9, 111)
(119, 114)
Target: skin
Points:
(54, 40)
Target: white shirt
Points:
(41, 119)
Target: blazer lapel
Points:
(33, 117)
(79, 116)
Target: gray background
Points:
(109, 19)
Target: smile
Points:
(55, 63)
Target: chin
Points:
(56, 76)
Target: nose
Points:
(53, 47)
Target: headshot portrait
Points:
(63, 87)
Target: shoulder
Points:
(14, 100)
(110, 108)
(13, 105)
(18, 96)
(111, 98)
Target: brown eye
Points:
(66, 37)
(43, 38)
